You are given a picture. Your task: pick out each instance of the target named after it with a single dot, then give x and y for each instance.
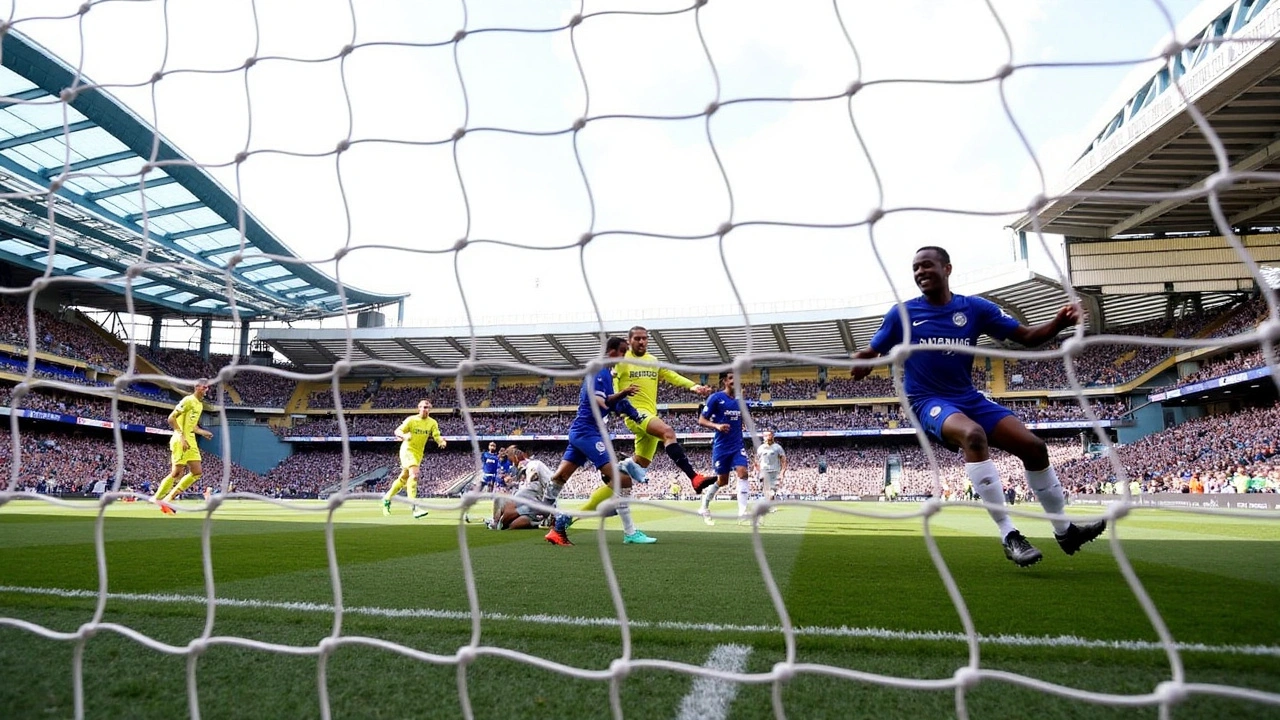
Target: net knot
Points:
(875, 216)
(1038, 201)
(458, 36)
(197, 647)
(1172, 49)
(967, 677)
(68, 95)
(1218, 182)
(854, 88)
(466, 655)
(327, 645)
(1004, 71)
(1171, 693)
(620, 669)
(87, 631)
(932, 506)
(783, 672)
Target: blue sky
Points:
(931, 145)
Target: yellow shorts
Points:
(646, 444)
(178, 456)
(408, 459)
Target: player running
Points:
(413, 435)
(184, 453)
(723, 414)
(939, 386)
(771, 465)
(645, 374)
(587, 444)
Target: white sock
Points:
(624, 511)
(551, 492)
(744, 489)
(1049, 492)
(986, 482)
(709, 494)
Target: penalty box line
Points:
(1044, 641)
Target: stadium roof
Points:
(816, 335)
(109, 200)
(1230, 69)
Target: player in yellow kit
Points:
(644, 373)
(413, 435)
(183, 452)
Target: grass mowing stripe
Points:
(711, 697)
(566, 620)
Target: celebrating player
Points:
(652, 429)
(516, 512)
(489, 467)
(723, 414)
(183, 451)
(939, 386)
(586, 443)
(413, 435)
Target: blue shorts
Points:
(933, 411)
(489, 480)
(724, 463)
(586, 446)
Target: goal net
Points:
(754, 181)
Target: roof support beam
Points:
(463, 350)
(719, 344)
(662, 343)
(560, 348)
(199, 231)
(171, 210)
(323, 351)
(129, 188)
(519, 356)
(1255, 160)
(52, 132)
(780, 337)
(47, 173)
(426, 360)
(1260, 209)
(846, 336)
(34, 93)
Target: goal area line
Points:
(1042, 641)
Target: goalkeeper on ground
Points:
(517, 512)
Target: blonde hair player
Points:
(184, 453)
(413, 435)
(652, 431)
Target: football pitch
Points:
(869, 609)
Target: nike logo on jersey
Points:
(918, 323)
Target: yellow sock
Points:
(165, 485)
(411, 487)
(187, 481)
(396, 487)
(602, 493)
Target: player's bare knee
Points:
(1034, 453)
(973, 439)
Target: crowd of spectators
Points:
(514, 396)
(1225, 365)
(917, 477)
(1208, 448)
(793, 389)
(59, 337)
(86, 406)
(58, 461)
(1065, 410)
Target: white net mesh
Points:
(731, 152)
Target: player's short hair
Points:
(634, 328)
(615, 343)
(724, 375)
(511, 450)
(203, 382)
(942, 253)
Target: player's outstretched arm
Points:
(718, 427)
(1044, 332)
(861, 371)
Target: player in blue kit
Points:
(489, 467)
(939, 386)
(586, 443)
(723, 414)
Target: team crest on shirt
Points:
(933, 412)
(599, 447)
(959, 319)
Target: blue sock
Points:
(562, 523)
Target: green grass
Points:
(1214, 579)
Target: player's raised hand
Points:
(860, 371)
(703, 390)
(1070, 315)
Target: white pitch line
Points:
(711, 697)
(567, 620)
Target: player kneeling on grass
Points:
(723, 414)
(517, 512)
(939, 385)
(586, 443)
